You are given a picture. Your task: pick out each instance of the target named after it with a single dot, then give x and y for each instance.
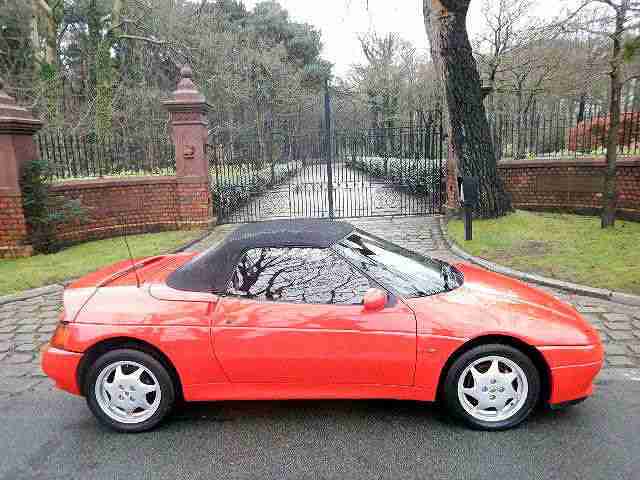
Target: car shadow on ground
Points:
(350, 412)
(283, 410)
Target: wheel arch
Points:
(100, 348)
(532, 352)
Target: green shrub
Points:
(44, 212)
(420, 177)
(228, 195)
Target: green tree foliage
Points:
(16, 53)
(44, 212)
(116, 59)
(264, 76)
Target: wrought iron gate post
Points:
(327, 146)
(212, 155)
(269, 144)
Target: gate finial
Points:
(186, 91)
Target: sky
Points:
(341, 21)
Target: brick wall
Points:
(14, 230)
(143, 204)
(193, 205)
(570, 186)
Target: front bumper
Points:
(573, 370)
(573, 383)
(62, 367)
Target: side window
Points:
(298, 275)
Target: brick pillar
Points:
(17, 146)
(187, 112)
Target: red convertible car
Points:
(310, 310)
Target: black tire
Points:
(450, 387)
(165, 384)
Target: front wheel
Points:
(492, 387)
(129, 390)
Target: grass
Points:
(567, 247)
(24, 273)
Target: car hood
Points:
(492, 304)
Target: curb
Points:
(58, 287)
(34, 292)
(617, 373)
(191, 243)
(610, 295)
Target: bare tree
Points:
(520, 56)
(508, 28)
(394, 87)
(526, 74)
(615, 19)
(381, 76)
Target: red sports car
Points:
(316, 309)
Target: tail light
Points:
(60, 335)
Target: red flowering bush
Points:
(592, 134)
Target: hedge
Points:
(228, 197)
(420, 177)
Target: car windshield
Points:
(409, 274)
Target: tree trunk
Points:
(104, 92)
(581, 107)
(268, 134)
(232, 136)
(51, 48)
(518, 148)
(35, 35)
(51, 39)
(116, 15)
(470, 136)
(95, 37)
(610, 191)
(635, 102)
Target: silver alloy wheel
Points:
(128, 392)
(492, 388)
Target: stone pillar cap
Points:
(14, 118)
(186, 93)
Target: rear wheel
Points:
(129, 391)
(492, 387)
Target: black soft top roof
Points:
(210, 270)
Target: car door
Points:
(295, 316)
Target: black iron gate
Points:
(360, 173)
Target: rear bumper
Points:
(62, 367)
(573, 370)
